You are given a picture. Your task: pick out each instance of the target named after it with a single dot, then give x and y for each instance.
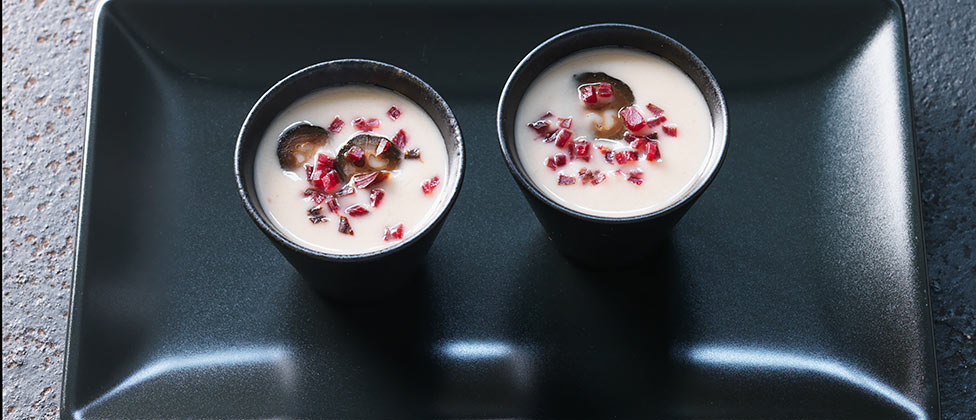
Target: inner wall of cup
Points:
(689, 63)
(553, 51)
(285, 95)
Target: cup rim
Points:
(373, 65)
(719, 126)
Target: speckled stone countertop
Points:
(45, 79)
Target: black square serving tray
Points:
(795, 288)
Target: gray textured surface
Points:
(942, 50)
(45, 77)
(45, 83)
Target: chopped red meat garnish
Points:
(325, 180)
(375, 197)
(588, 94)
(393, 232)
(636, 176)
(356, 210)
(625, 156)
(656, 121)
(670, 130)
(355, 154)
(336, 125)
(430, 184)
(324, 162)
(394, 112)
(556, 161)
(365, 180)
(562, 137)
(653, 152)
(541, 127)
(632, 118)
(581, 150)
(654, 109)
(333, 204)
(400, 139)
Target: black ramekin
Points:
(585, 238)
(358, 276)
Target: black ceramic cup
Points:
(358, 276)
(587, 239)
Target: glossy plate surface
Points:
(794, 288)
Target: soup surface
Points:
(351, 211)
(613, 132)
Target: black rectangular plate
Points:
(795, 288)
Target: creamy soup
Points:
(351, 169)
(613, 132)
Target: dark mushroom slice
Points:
(379, 154)
(611, 127)
(297, 144)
